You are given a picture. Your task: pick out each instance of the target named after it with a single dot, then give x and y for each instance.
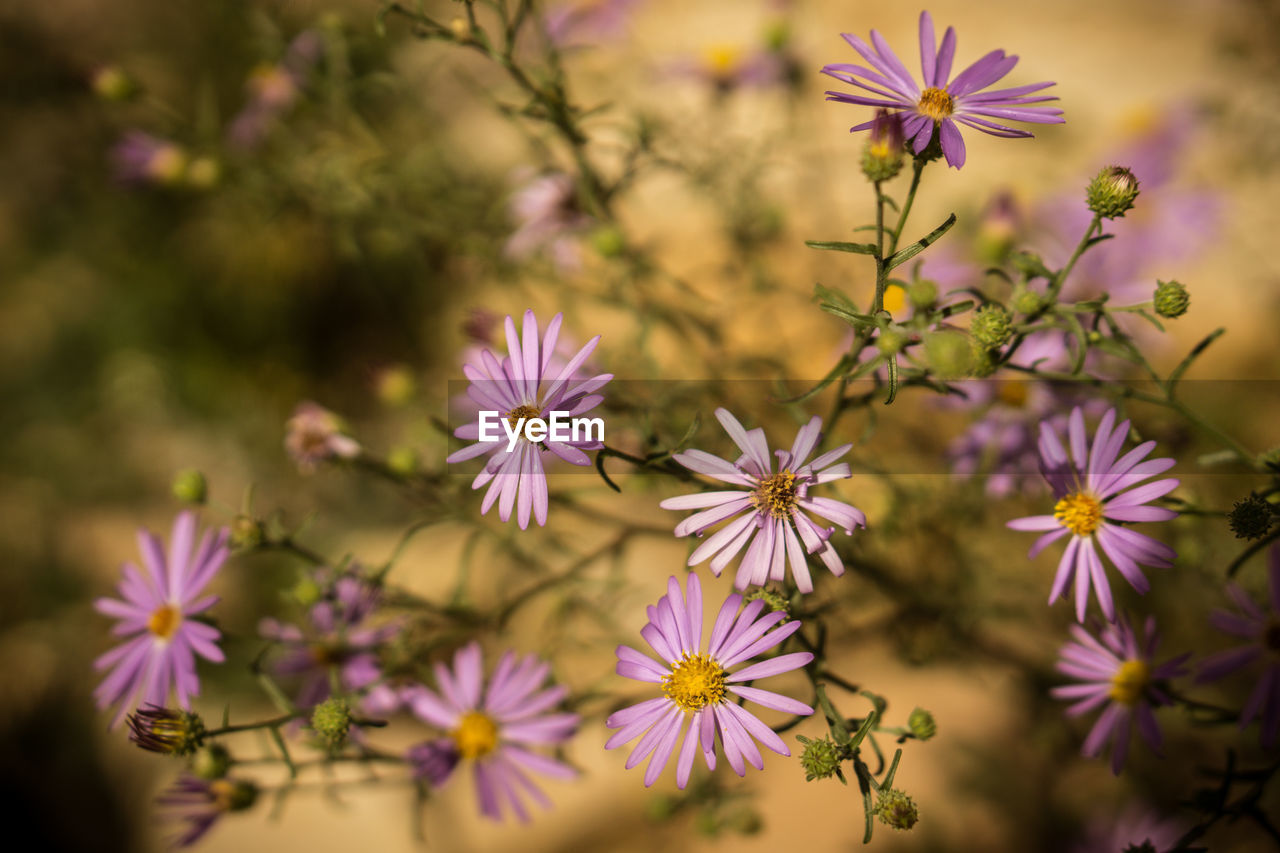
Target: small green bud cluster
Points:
(992, 326)
(948, 354)
(331, 720)
(922, 293)
(921, 724)
(1112, 192)
(822, 758)
(1250, 518)
(245, 532)
(1027, 301)
(1171, 299)
(189, 486)
(896, 809)
(211, 762)
(774, 600)
(891, 340)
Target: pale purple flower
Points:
(1262, 629)
(340, 632)
(549, 218)
(1132, 828)
(522, 386)
(492, 727)
(273, 89)
(1116, 670)
(140, 158)
(944, 100)
(771, 502)
(727, 67)
(156, 610)
(698, 688)
(576, 22)
(200, 802)
(1097, 492)
(315, 434)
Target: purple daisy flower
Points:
(696, 684)
(1130, 830)
(549, 218)
(338, 633)
(155, 610)
(314, 434)
(771, 502)
(514, 387)
(273, 89)
(944, 100)
(1116, 670)
(1263, 632)
(1094, 490)
(492, 727)
(200, 802)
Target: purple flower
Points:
(727, 67)
(941, 104)
(155, 610)
(315, 434)
(140, 158)
(587, 21)
(514, 387)
(1094, 490)
(548, 218)
(770, 503)
(1263, 632)
(338, 633)
(273, 89)
(696, 684)
(200, 802)
(1131, 829)
(492, 727)
(1117, 671)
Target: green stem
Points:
(917, 167)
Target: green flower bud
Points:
(821, 759)
(921, 724)
(1030, 265)
(166, 731)
(948, 354)
(890, 341)
(991, 326)
(331, 720)
(922, 293)
(234, 795)
(189, 486)
(111, 83)
(1171, 299)
(774, 600)
(395, 385)
(245, 532)
(883, 152)
(403, 461)
(1111, 193)
(1027, 301)
(777, 35)
(1250, 518)
(984, 362)
(306, 591)
(896, 809)
(608, 241)
(211, 762)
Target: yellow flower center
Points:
(695, 682)
(476, 735)
(222, 792)
(936, 103)
(1130, 681)
(1079, 513)
(776, 495)
(722, 59)
(1012, 393)
(164, 620)
(895, 298)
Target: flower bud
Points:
(1026, 301)
(1030, 265)
(922, 293)
(894, 808)
(890, 341)
(1171, 299)
(774, 600)
(234, 795)
(1250, 518)
(821, 759)
(189, 486)
(608, 241)
(111, 83)
(331, 720)
(882, 156)
(948, 354)
(983, 361)
(403, 461)
(921, 724)
(1111, 193)
(211, 762)
(245, 532)
(991, 326)
(395, 385)
(166, 730)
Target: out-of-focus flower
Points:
(200, 802)
(140, 159)
(578, 22)
(771, 503)
(1118, 670)
(315, 434)
(112, 83)
(340, 631)
(1262, 630)
(1133, 828)
(549, 218)
(727, 67)
(944, 101)
(491, 727)
(514, 387)
(273, 90)
(696, 684)
(1096, 487)
(883, 154)
(155, 611)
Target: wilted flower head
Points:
(491, 727)
(1262, 631)
(165, 730)
(200, 802)
(521, 386)
(773, 504)
(155, 612)
(945, 100)
(1095, 487)
(698, 687)
(1118, 670)
(549, 218)
(140, 158)
(315, 434)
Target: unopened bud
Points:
(1171, 299)
(991, 326)
(922, 293)
(189, 486)
(1111, 193)
(331, 720)
(165, 730)
(245, 532)
(921, 723)
(1250, 518)
(211, 762)
(883, 154)
(896, 809)
(821, 759)
(948, 354)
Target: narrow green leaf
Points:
(603, 475)
(1193, 355)
(822, 293)
(856, 248)
(841, 366)
(892, 361)
(853, 318)
(903, 255)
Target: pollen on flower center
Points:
(695, 682)
(476, 735)
(776, 495)
(936, 103)
(1080, 513)
(164, 620)
(1130, 681)
(722, 59)
(524, 411)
